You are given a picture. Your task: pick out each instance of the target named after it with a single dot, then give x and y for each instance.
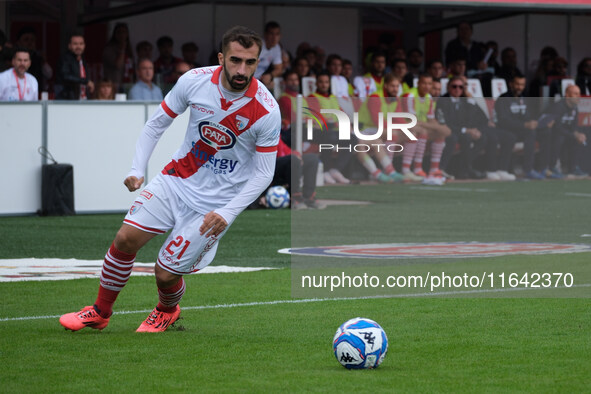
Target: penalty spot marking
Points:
(310, 300)
(12, 270)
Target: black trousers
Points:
(289, 171)
(498, 150)
(529, 138)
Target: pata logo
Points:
(216, 135)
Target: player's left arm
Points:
(264, 167)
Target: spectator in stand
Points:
(286, 59)
(40, 69)
(435, 88)
(320, 57)
(72, 83)
(464, 47)
(179, 69)
(4, 52)
(347, 72)
(290, 163)
(436, 69)
(400, 71)
(16, 84)
(334, 162)
(518, 116)
(583, 78)
(302, 67)
(144, 50)
(164, 65)
(377, 68)
(270, 58)
(419, 102)
(144, 89)
(190, 50)
(312, 57)
(508, 64)
(558, 73)
(457, 68)
(104, 90)
(380, 103)
(492, 60)
(334, 66)
(543, 67)
(302, 48)
(562, 118)
(267, 80)
(415, 62)
(118, 61)
(474, 132)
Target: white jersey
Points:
(227, 144)
(13, 88)
(267, 57)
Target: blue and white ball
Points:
(360, 344)
(277, 197)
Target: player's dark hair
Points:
(391, 77)
(331, 57)
(243, 36)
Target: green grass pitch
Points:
(244, 332)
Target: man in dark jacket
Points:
(518, 115)
(562, 118)
(474, 133)
(72, 78)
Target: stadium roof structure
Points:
(86, 12)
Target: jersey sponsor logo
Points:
(218, 166)
(205, 110)
(146, 194)
(216, 135)
(438, 250)
(241, 122)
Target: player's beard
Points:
(237, 82)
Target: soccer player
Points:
(419, 102)
(225, 162)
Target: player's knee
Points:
(165, 279)
(126, 242)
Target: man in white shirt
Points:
(225, 162)
(271, 51)
(16, 84)
(144, 89)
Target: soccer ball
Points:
(360, 344)
(277, 197)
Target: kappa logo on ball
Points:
(438, 250)
(216, 135)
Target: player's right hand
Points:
(133, 183)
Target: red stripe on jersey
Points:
(148, 229)
(168, 111)
(266, 149)
(202, 152)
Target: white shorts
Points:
(158, 209)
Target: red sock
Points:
(116, 270)
(170, 297)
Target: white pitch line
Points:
(578, 194)
(309, 300)
(452, 189)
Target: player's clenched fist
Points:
(213, 224)
(132, 183)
